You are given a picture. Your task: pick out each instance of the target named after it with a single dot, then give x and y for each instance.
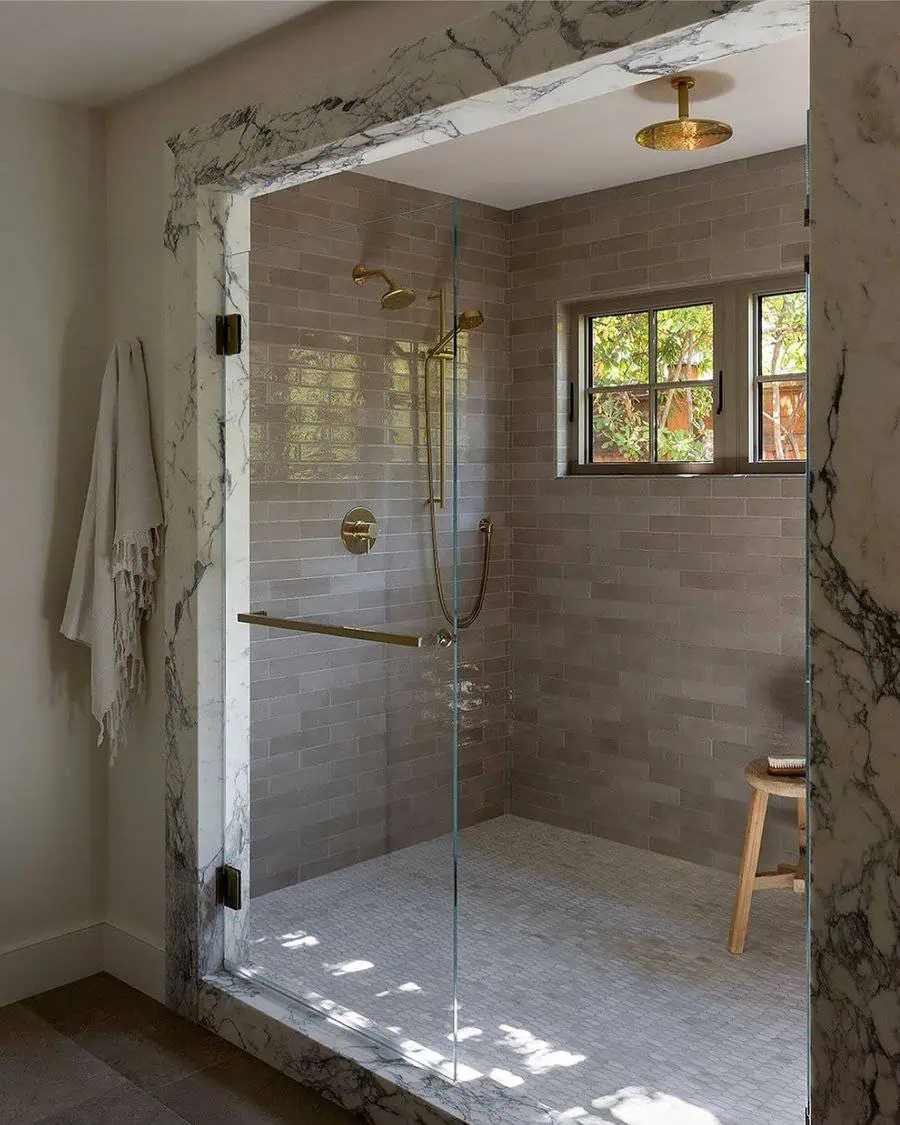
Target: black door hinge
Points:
(806, 263)
(228, 887)
(806, 215)
(228, 334)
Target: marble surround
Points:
(854, 531)
(528, 58)
(369, 1079)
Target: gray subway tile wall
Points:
(657, 622)
(351, 741)
(642, 637)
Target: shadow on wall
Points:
(788, 695)
(79, 371)
(70, 663)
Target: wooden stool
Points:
(762, 785)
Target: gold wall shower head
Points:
(395, 297)
(686, 133)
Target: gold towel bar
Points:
(335, 630)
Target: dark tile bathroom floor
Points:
(99, 1053)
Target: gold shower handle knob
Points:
(359, 530)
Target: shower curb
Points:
(371, 1080)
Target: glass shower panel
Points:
(350, 743)
(807, 660)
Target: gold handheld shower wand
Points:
(400, 297)
(467, 320)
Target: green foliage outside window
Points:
(621, 349)
(621, 357)
(621, 426)
(783, 334)
(782, 352)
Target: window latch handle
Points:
(720, 394)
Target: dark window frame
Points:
(735, 357)
(653, 388)
(760, 381)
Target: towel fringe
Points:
(134, 574)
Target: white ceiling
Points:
(92, 52)
(762, 94)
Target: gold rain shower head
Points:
(395, 297)
(687, 132)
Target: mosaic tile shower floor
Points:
(593, 976)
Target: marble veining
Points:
(257, 149)
(854, 523)
(528, 58)
(235, 454)
(196, 490)
(366, 1078)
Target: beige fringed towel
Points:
(112, 588)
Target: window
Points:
(780, 377)
(651, 392)
(710, 380)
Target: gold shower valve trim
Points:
(359, 530)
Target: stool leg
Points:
(800, 878)
(740, 918)
(801, 825)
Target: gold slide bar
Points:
(332, 630)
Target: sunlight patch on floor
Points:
(342, 968)
(621, 971)
(539, 1055)
(635, 1105)
(506, 1078)
(410, 986)
(337, 1013)
(297, 941)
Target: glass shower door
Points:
(335, 637)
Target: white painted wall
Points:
(53, 793)
(329, 40)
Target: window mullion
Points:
(727, 392)
(677, 384)
(609, 388)
(588, 422)
(651, 377)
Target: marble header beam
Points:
(525, 59)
